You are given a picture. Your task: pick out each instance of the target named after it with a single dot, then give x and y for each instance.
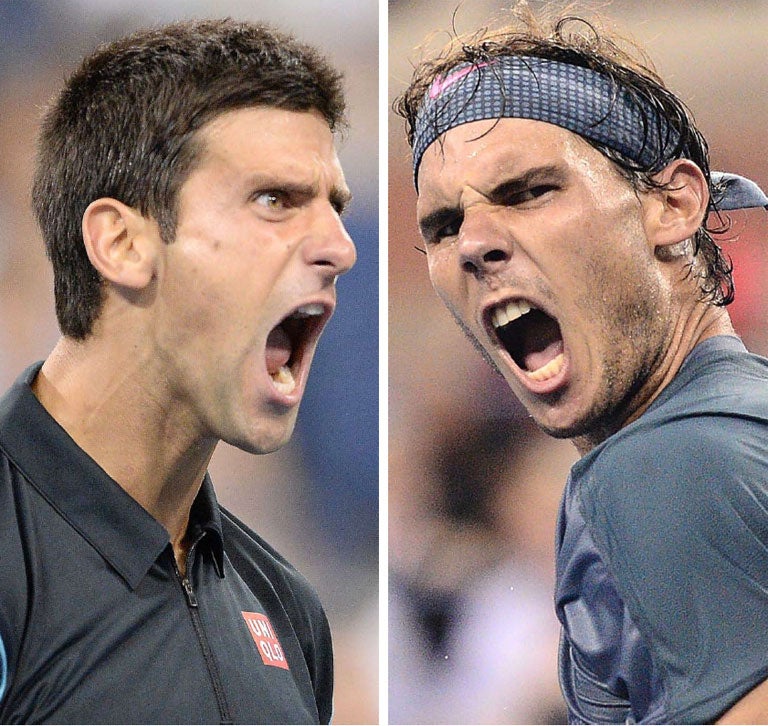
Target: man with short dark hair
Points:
(564, 196)
(189, 194)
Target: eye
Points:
(271, 200)
(441, 225)
(447, 230)
(531, 193)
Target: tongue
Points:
(539, 358)
(542, 341)
(278, 351)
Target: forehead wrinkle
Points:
(466, 142)
(514, 148)
(313, 155)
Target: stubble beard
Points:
(637, 322)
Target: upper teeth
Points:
(306, 311)
(507, 312)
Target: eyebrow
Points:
(340, 197)
(552, 173)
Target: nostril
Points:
(494, 256)
(473, 265)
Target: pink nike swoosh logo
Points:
(440, 84)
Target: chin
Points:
(265, 438)
(261, 446)
(556, 429)
(582, 427)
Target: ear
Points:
(121, 243)
(674, 212)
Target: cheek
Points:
(442, 274)
(196, 305)
(607, 242)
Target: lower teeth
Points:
(284, 380)
(549, 370)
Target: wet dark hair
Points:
(125, 126)
(578, 41)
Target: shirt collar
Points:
(114, 523)
(717, 343)
(205, 518)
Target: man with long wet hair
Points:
(568, 211)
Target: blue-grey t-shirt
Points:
(662, 551)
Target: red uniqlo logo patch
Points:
(266, 640)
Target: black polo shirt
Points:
(98, 626)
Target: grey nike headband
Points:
(575, 98)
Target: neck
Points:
(705, 322)
(114, 407)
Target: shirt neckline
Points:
(93, 503)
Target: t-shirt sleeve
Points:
(680, 513)
(13, 586)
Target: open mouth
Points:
(287, 343)
(531, 337)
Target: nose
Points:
(330, 248)
(484, 244)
